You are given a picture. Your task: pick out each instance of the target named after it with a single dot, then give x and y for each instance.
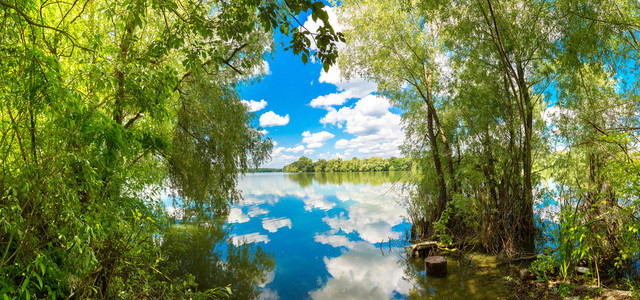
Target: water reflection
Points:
(362, 272)
(319, 236)
(339, 178)
(477, 277)
(324, 230)
(217, 259)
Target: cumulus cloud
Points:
(370, 115)
(272, 225)
(295, 149)
(309, 151)
(313, 201)
(256, 211)
(353, 276)
(255, 105)
(378, 131)
(316, 140)
(270, 119)
(236, 216)
(356, 87)
(347, 89)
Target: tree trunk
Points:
(442, 195)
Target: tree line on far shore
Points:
(373, 164)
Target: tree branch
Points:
(28, 20)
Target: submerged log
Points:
(435, 266)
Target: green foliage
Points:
(373, 164)
(105, 103)
(563, 289)
(543, 266)
(441, 229)
(511, 104)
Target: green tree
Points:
(320, 165)
(103, 103)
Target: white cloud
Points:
(353, 276)
(236, 216)
(309, 151)
(357, 87)
(261, 69)
(370, 115)
(264, 132)
(316, 140)
(312, 201)
(279, 159)
(295, 149)
(257, 211)
(255, 105)
(348, 89)
(272, 225)
(268, 294)
(249, 238)
(270, 119)
(378, 132)
(330, 100)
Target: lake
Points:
(323, 236)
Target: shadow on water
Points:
(339, 178)
(207, 252)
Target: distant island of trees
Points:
(373, 164)
(266, 170)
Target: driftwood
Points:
(427, 248)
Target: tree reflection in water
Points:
(339, 178)
(206, 251)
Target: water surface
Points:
(323, 236)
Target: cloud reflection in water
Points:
(349, 213)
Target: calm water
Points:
(322, 236)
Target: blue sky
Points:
(306, 111)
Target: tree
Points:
(93, 124)
(479, 83)
(405, 63)
(320, 165)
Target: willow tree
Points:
(399, 46)
(596, 124)
(461, 71)
(104, 100)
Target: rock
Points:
(435, 266)
(422, 249)
(582, 270)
